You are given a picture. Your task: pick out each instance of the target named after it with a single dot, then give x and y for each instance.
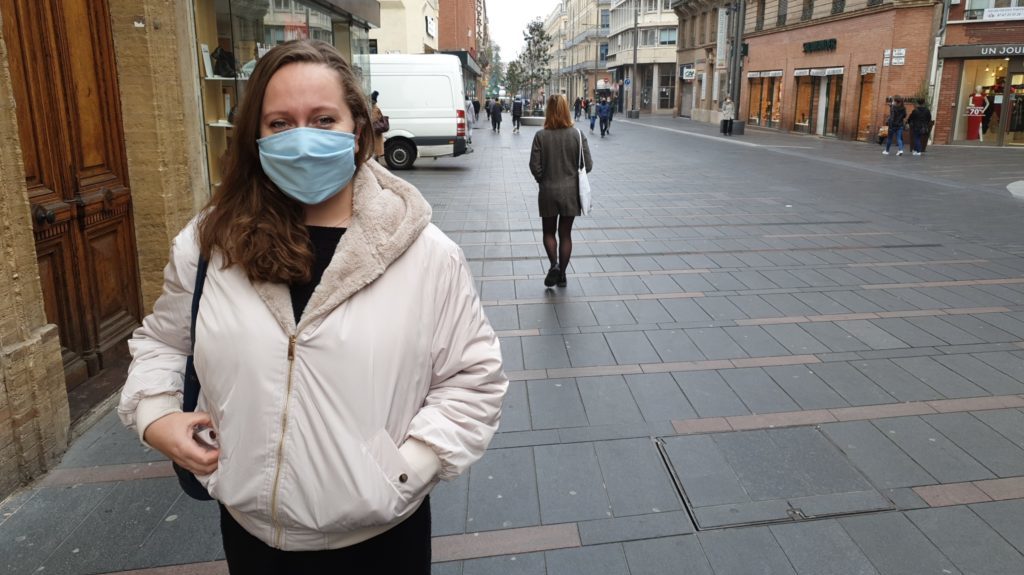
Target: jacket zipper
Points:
(280, 444)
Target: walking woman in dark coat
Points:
(555, 164)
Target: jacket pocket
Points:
(407, 484)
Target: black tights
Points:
(559, 250)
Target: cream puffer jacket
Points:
(334, 430)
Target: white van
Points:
(422, 95)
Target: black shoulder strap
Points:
(190, 394)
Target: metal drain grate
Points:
(766, 476)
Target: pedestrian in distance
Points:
(611, 114)
(470, 120)
(379, 125)
(576, 108)
(592, 114)
(555, 164)
(496, 117)
(476, 107)
(345, 360)
(517, 114)
(920, 122)
(603, 111)
(728, 115)
(487, 109)
(897, 119)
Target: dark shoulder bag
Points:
(189, 484)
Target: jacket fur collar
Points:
(388, 215)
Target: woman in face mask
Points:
(344, 359)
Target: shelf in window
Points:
(220, 124)
(223, 79)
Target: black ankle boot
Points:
(553, 276)
(561, 279)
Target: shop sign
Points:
(885, 61)
(899, 52)
(887, 53)
(975, 111)
(981, 50)
(687, 72)
(1011, 13)
(721, 60)
(865, 70)
(898, 61)
(431, 26)
(753, 74)
(802, 72)
(820, 46)
(818, 72)
(833, 71)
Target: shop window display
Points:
(765, 105)
(983, 100)
(804, 117)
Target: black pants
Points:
(404, 549)
(604, 125)
(516, 122)
(727, 127)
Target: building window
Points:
(759, 24)
(838, 6)
(874, 2)
(282, 5)
(667, 86)
(713, 33)
(651, 6)
(703, 27)
(692, 26)
(783, 9)
(808, 11)
(604, 19)
(603, 54)
(649, 37)
(667, 36)
(373, 45)
(666, 5)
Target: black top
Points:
(323, 241)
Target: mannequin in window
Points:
(977, 105)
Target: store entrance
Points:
(865, 105)
(990, 110)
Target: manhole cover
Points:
(768, 476)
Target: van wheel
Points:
(400, 155)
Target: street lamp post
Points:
(635, 112)
(736, 60)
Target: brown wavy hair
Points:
(248, 219)
(556, 115)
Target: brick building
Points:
(823, 68)
(980, 97)
(110, 144)
(462, 31)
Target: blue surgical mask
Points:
(309, 164)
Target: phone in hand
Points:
(206, 436)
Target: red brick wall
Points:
(860, 41)
(945, 113)
(456, 26)
(1009, 32)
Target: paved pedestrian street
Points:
(776, 354)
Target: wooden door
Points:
(61, 58)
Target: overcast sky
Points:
(508, 19)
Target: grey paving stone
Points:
(596, 286)
(783, 279)
(659, 397)
(503, 491)
(607, 400)
(685, 309)
(796, 340)
(893, 545)
(1005, 362)
(660, 284)
(629, 285)
(1005, 322)
(189, 533)
(648, 311)
(878, 458)
(714, 343)
(535, 316)
(570, 483)
(833, 504)
(29, 536)
(940, 456)
(709, 394)
(915, 298)
(896, 381)
(520, 564)
(525, 438)
(108, 442)
(805, 388)
(758, 391)
(738, 514)
(667, 555)
(1008, 422)
(907, 332)
(632, 347)
(588, 349)
(674, 345)
(947, 332)
(515, 409)
(720, 308)
(984, 444)
(544, 352)
(98, 544)
(882, 298)
(982, 374)
(511, 353)
(788, 304)
(821, 303)
(635, 527)
(592, 560)
(971, 544)
(749, 550)
(498, 290)
(706, 476)
(635, 477)
(854, 387)
(693, 282)
(755, 341)
(502, 317)
(814, 279)
(449, 568)
(872, 335)
(980, 329)
(449, 501)
(555, 403)
(939, 377)
(754, 306)
(754, 280)
(836, 338)
(612, 313)
(574, 314)
(854, 302)
(1006, 517)
(821, 548)
(905, 498)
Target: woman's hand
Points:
(172, 436)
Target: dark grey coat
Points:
(554, 163)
